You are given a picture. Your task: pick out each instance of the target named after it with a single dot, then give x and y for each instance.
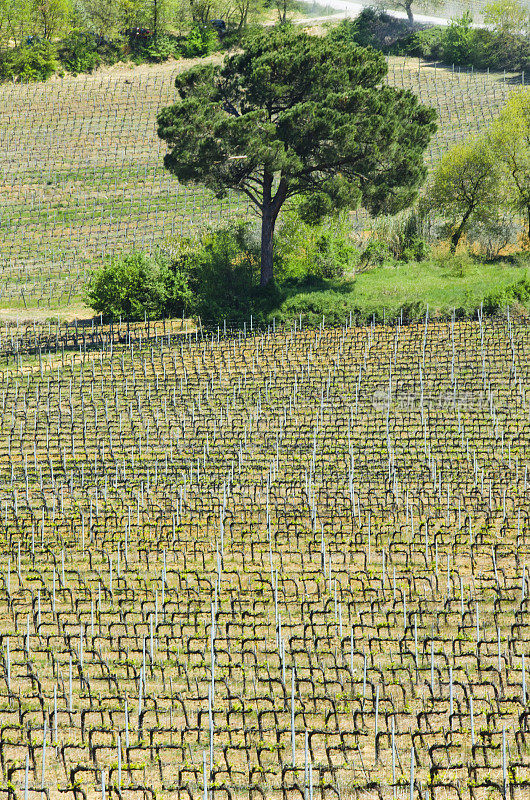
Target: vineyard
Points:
(266, 564)
(81, 170)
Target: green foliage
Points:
(503, 48)
(400, 238)
(214, 276)
(518, 292)
(510, 142)
(79, 52)
(200, 41)
(156, 51)
(93, 33)
(16, 22)
(131, 286)
(425, 43)
(458, 43)
(305, 251)
(35, 62)
(221, 270)
(361, 30)
(376, 253)
(298, 115)
(507, 16)
(465, 186)
(499, 50)
(374, 28)
(51, 18)
(395, 290)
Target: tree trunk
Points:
(281, 5)
(155, 20)
(457, 235)
(408, 9)
(269, 213)
(267, 246)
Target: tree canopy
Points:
(465, 186)
(406, 5)
(294, 114)
(507, 16)
(510, 140)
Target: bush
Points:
(79, 53)
(31, 62)
(214, 276)
(221, 270)
(359, 30)
(155, 52)
(131, 286)
(425, 44)
(389, 34)
(396, 239)
(518, 292)
(84, 51)
(458, 42)
(465, 46)
(200, 41)
(324, 250)
(376, 253)
(500, 51)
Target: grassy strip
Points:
(442, 284)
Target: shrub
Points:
(359, 30)
(155, 52)
(131, 286)
(376, 253)
(324, 250)
(369, 29)
(481, 48)
(214, 276)
(200, 41)
(401, 238)
(518, 292)
(221, 271)
(500, 50)
(79, 53)
(425, 44)
(84, 51)
(411, 244)
(34, 62)
(458, 42)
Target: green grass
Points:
(443, 284)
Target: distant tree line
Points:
(41, 37)
(52, 19)
(503, 45)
